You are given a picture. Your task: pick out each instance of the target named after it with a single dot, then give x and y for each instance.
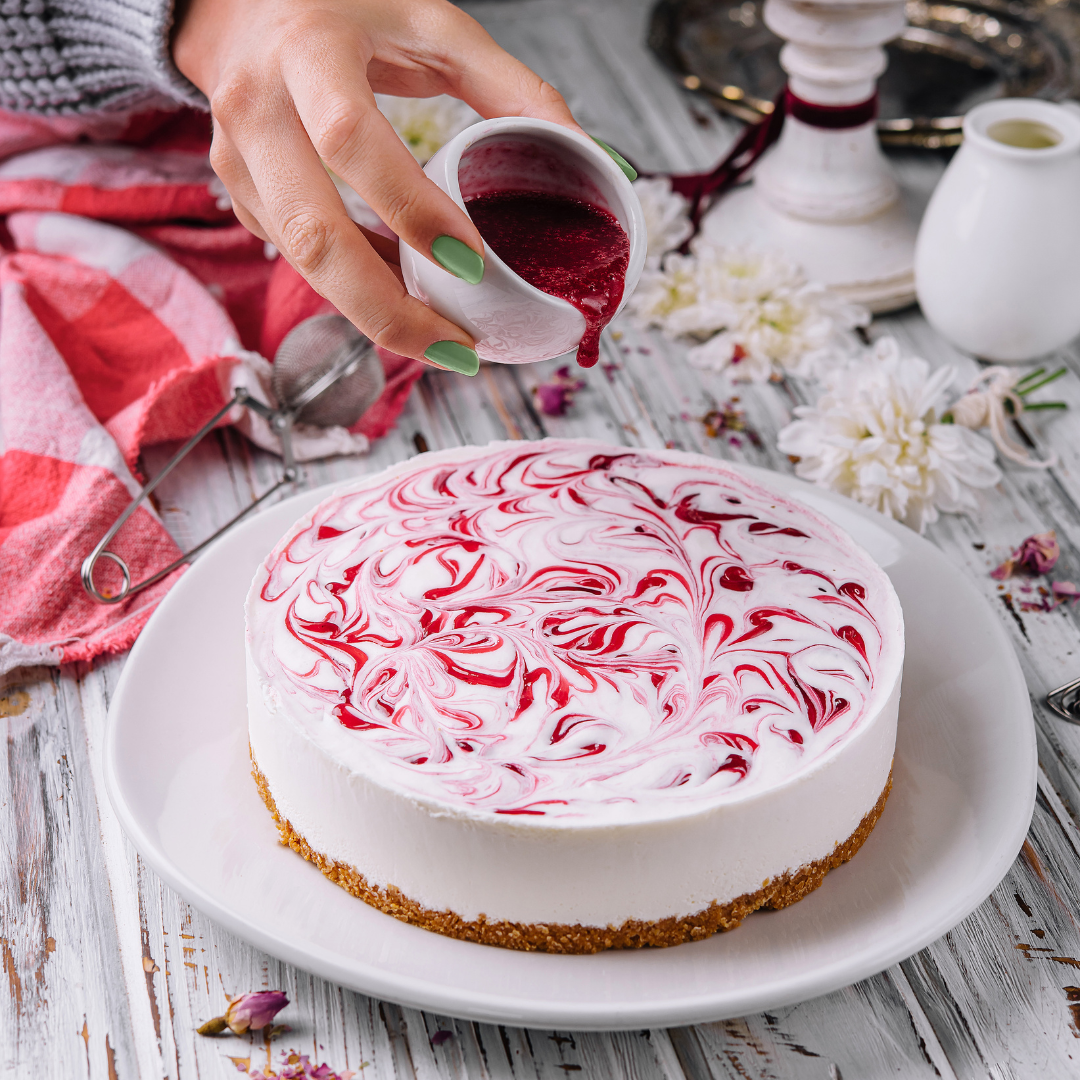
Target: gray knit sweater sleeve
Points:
(76, 56)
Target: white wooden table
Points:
(108, 972)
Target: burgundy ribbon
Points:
(702, 189)
(831, 117)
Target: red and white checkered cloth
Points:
(131, 303)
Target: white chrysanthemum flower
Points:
(875, 437)
(753, 312)
(667, 218)
(426, 124)
(802, 331)
(672, 299)
(744, 275)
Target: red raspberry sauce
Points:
(563, 247)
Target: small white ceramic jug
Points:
(512, 321)
(997, 263)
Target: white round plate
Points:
(176, 768)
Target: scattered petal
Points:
(724, 419)
(1037, 554)
(440, 1037)
(556, 395)
(295, 1066)
(1065, 590)
(1028, 606)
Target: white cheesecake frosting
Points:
(567, 682)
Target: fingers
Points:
(312, 100)
(384, 247)
(338, 111)
(281, 188)
(232, 172)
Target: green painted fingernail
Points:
(453, 357)
(459, 259)
(628, 170)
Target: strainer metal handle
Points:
(1065, 701)
(321, 353)
(281, 424)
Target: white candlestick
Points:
(827, 197)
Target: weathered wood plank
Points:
(861, 1031)
(442, 1047)
(593, 52)
(65, 1011)
(1001, 989)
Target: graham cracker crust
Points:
(778, 893)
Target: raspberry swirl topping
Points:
(564, 630)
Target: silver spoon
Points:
(326, 373)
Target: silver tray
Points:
(951, 57)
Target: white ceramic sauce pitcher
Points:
(997, 263)
(512, 321)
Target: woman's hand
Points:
(292, 81)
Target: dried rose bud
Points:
(1038, 554)
(250, 1012)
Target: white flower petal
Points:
(756, 300)
(873, 435)
(667, 217)
(425, 125)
